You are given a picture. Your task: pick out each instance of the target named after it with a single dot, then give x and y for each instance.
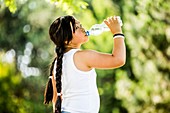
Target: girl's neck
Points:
(69, 48)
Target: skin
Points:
(85, 60)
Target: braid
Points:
(60, 33)
(60, 53)
(48, 94)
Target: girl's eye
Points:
(77, 27)
(80, 26)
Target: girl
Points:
(72, 81)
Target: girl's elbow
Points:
(122, 61)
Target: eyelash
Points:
(79, 26)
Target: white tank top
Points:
(79, 89)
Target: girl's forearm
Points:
(119, 49)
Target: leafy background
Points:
(141, 86)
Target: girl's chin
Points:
(86, 39)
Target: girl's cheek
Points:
(78, 33)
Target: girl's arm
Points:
(87, 59)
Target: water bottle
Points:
(99, 28)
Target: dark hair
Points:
(48, 94)
(61, 34)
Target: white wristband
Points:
(118, 36)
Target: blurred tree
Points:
(11, 4)
(146, 88)
(17, 93)
(69, 6)
(141, 86)
(10, 88)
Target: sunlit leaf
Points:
(12, 5)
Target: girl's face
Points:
(79, 37)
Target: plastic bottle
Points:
(99, 28)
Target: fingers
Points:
(106, 22)
(114, 23)
(112, 19)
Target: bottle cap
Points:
(87, 33)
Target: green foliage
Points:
(148, 59)
(70, 6)
(11, 4)
(141, 86)
(10, 90)
(17, 93)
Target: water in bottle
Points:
(99, 28)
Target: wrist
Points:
(118, 35)
(118, 32)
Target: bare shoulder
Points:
(87, 55)
(81, 59)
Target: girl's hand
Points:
(113, 24)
